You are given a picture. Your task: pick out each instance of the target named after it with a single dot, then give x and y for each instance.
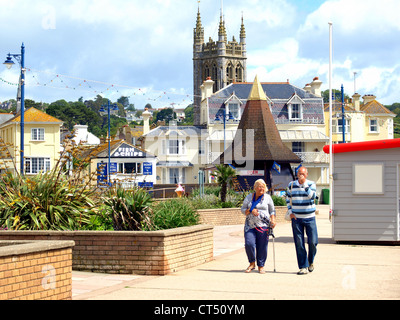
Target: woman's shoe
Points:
(261, 270)
(302, 271)
(250, 268)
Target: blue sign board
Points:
(147, 168)
(102, 172)
(113, 167)
(145, 184)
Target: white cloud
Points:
(149, 43)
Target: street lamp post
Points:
(9, 63)
(109, 138)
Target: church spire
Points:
(242, 32)
(199, 30)
(222, 30)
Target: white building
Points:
(183, 150)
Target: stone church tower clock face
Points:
(221, 60)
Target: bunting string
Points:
(61, 81)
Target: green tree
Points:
(337, 95)
(224, 176)
(166, 115)
(189, 115)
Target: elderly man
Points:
(302, 192)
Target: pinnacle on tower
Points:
(242, 31)
(199, 30)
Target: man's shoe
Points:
(311, 267)
(303, 271)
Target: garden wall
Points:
(132, 252)
(232, 216)
(36, 270)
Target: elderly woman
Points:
(260, 214)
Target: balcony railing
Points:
(313, 157)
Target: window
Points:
(173, 147)
(373, 126)
(229, 74)
(239, 73)
(338, 127)
(130, 167)
(206, 72)
(295, 111)
(202, 147)
(234, 110)
(215, 77)
(173, 175)
(368, 178)
(177, 175)
(37, 134)
(36, 165)
(298, 146)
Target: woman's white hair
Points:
(261, 181)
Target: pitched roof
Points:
(274, 90)
(337, 107)
(278, 94)
(266, 145)
(101, 151)
(178, 130)
(34, 115)
(374, 107)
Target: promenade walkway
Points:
(341, 272)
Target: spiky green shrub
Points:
(128, 209)
(44, 202)
(173, 213)
(61, 199)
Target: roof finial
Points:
(257, 92)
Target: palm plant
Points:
(52, 200)
(46, 201)
(129, 209)
(224, 175)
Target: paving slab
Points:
(361, 272)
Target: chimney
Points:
(368, 98)
(307, 88)
(356, 101)
(207, 89)
(316, 87)
(146, 121)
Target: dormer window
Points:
(295, 112)
(295, 108)
(232, 108)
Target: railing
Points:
(306, 121)
(313, 157)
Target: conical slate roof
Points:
(258, 134)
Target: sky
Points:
(144, 49)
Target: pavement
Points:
(356, 272)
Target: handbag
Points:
(289, 212)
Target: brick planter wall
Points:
(36, 270)
(233, 216)
(132, 252)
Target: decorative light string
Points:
(93, 86)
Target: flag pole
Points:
(330, 126)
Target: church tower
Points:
(222, 60)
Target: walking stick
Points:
(271, 233)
